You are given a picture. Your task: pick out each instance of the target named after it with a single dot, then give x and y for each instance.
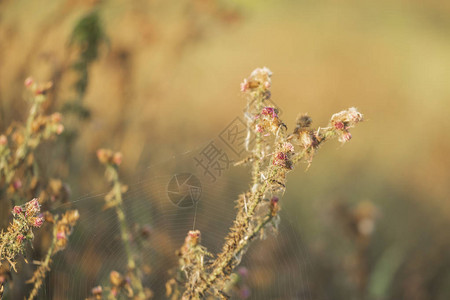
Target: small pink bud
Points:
(97, 290)
(345, 137)
(20, 238)
(243, 272)
(17, 184)
(104, 156)
(193, 238)
(281, 156)
(17, 210)
(3, 140)
(38, 222)
(274, 207)
(267, 85)
(28, 82)
(56, 117)
(59, 129)
(61, 235)
(244, 85)
(194, 234)
(117, 158)
(114, 292)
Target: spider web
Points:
(277, 266)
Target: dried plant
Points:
(20, 176)
(12, 241)
(62, 228)
(130, 285)
(27, 217)
(274, 153)
(17, 161)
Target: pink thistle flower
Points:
(269, 111)
(339, 125)
(281, 156)
(35, 203)
(17, 210)
(32, 207)
(38, 222)
(280, 159)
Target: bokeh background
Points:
(367, 220)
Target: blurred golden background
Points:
(370, 219)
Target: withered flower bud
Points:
(304, 121)
(104, 155)
(117, 158)
(115, 278)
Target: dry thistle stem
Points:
(16, 147)
(12, 241)
(19, 176)
(274, 153)
(62, 229)
(192, 258)
(114, 200)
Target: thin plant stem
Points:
(44, 267)
(125, 234)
